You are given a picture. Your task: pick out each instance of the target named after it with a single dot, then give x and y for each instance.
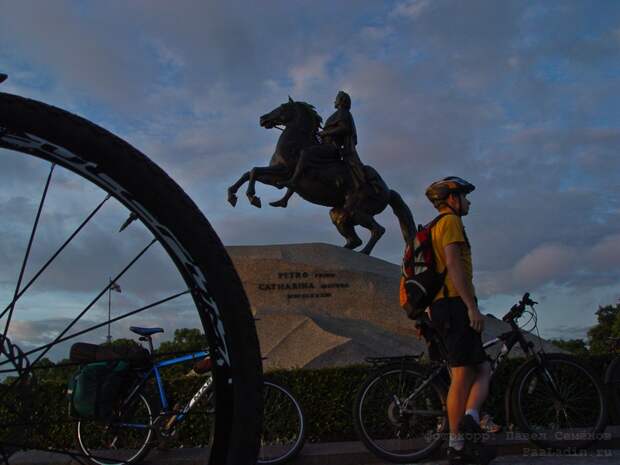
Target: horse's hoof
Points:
(279, 203)
(255, 201)
(232, 199)
(353, 244)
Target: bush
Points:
(326, 395)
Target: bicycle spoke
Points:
(105, 323)
(566, 418)
(53, 257)
(90, 305)
(27, 255)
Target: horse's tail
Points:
(404, 215)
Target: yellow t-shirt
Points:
(448, 230)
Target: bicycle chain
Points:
(15, 356)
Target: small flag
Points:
(115, 287)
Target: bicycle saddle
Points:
(145, 331)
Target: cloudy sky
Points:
(521, 98)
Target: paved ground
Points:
(309, 456)
(513, 450)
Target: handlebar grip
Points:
(517, 309)
(527, 301)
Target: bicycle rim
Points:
(61, 294)
(124, 440)
(393, 424)
(561, 404)
(283, 426)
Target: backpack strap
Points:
(436, 219)
(445, 272)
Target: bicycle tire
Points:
(380, 427)
(284, 426)
(136, 447)
(584, 413)
(49, 133)
(612, 381)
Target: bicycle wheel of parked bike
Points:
(96, 237)
(125, 439)
(612, 381)
(399, 416)
(284, 426)
(560, 404)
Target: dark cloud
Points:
(94, 54)
(520, 98)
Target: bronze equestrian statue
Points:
(339, 131)
(323, 167)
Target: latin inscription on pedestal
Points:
(304, 285)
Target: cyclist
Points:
(455, 316)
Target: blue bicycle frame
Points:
(154, 372)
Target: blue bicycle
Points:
(139, 424)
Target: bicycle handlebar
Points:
(517, 310)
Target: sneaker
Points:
(471, 430)
(462, 456)
(488, 425)
(459, 457)
(471, 455)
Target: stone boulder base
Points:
(319, 305)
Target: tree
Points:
(185, 340)
(608, 326)
(47, 371)
(574, 346)
(122, 343)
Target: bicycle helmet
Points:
(440, 190)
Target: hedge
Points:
(326, 395)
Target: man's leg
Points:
(470, 422)
(479, 388)
(460, 386)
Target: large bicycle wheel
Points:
(62, 259)
(612, 380)
(284, 426)
(559, 404)
(400, 415)
(125, 439)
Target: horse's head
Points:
(300, 112)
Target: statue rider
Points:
(338, 133)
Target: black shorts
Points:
(463, 344)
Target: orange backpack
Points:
(419, 281)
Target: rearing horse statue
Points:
(327, 181)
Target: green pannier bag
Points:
(96, 388)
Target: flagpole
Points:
(109, 338)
